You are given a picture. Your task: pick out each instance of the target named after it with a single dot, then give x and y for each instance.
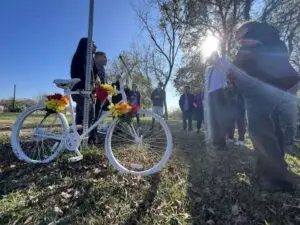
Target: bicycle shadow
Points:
(16, 175)
(66, 182)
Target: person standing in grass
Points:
(135, 98)
(78, 67)
(158, 97)
(239, 116)
(198, 109)
(218, 110)
(186, 105)
(100, 77)
(265, 76)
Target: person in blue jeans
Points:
(186, 105)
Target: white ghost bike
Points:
(139, 148)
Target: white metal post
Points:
(88, 70)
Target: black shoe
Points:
(92, 140)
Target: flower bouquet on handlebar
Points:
(56, 103)
(121, 110)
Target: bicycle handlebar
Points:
(121, 91)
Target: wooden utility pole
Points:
(14, 98)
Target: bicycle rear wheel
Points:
(37, 137)
(139, 148)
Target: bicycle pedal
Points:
(75, 158)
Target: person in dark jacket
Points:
(78, 66)
(158, 98)
(117, 98)
(135, 98)
(198, 109)
(186, 105)
(100, 63)
(238, 116)
(100, 78)
(264, 81)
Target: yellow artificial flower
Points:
(111, 90)
(65, 100)
(56, 105)
(119, 109)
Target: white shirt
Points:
(217, 76)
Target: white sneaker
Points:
(239, 143)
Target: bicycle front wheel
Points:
(142, 146)
(37, 137)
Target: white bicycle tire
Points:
(16, 147)
(113, 161)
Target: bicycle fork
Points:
(72, 140)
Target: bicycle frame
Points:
(104, 115)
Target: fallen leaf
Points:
(65, 195)
(211, 211)
(76, 193)
(272, 210)
(58, 210)
(51, 187)
(28, 220)
(70, 190)
(96, 171)
(235, 210)
(210, 222)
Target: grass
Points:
(198, 186)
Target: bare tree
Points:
(285, 15)
(137, 66)
(166, 34)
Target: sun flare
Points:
(209, 45)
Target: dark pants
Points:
(240, 122)
(221, 116)
(137, 119)
(80, 110)
(265, 134)
(199, 114)
(263, 104)
(98, 113)
(187, 116)
(279, 133)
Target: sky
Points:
(38, 39)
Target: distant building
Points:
(2, 108)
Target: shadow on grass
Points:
(74, 193)
(221, 191)
(147, 202)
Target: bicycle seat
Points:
(66, 83)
